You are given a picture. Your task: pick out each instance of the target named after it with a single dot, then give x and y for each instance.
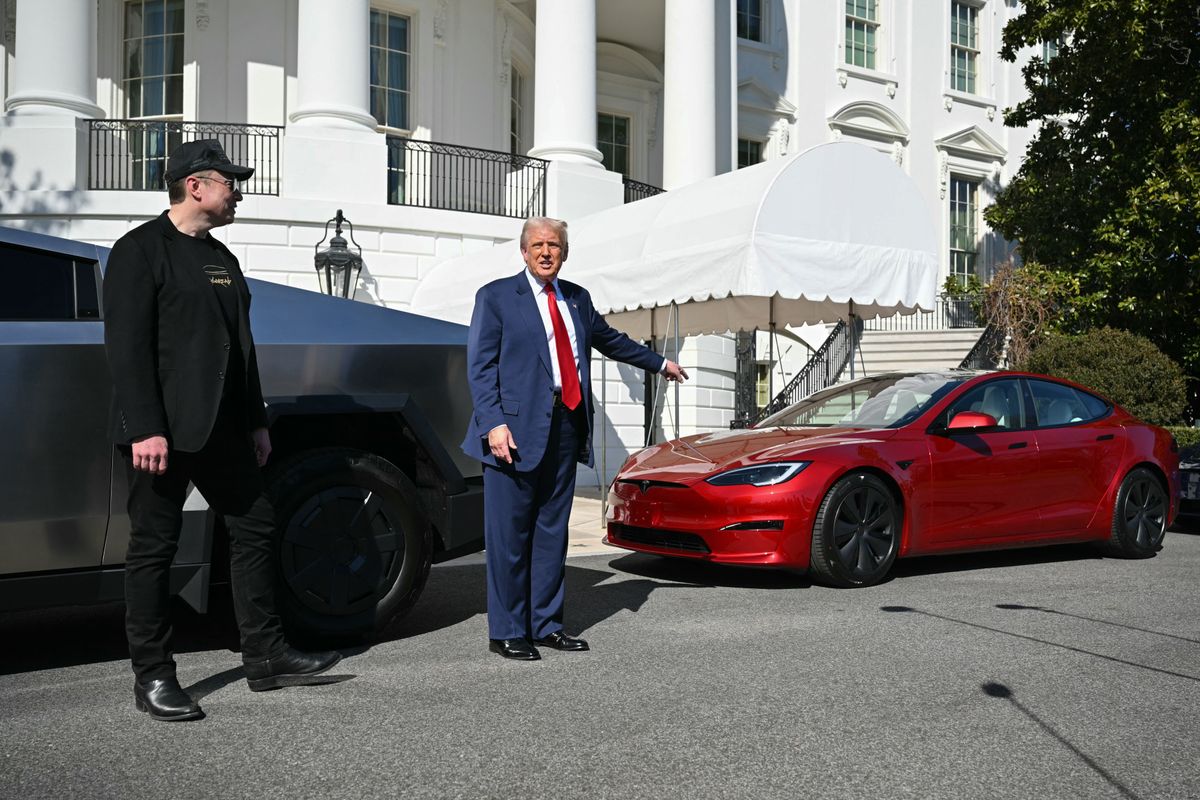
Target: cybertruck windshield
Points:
(889, 401)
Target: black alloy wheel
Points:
(857, 532)
(1139, 520)
(354, 550)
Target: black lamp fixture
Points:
(336, 263)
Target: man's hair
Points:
(177, 190)
(557, 225)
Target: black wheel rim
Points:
(341, 551)
(1144, 514)
(864, 532)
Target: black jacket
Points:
(168, 344)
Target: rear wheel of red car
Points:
(1139, 516)
(857, 533)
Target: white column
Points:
(332, 75)
(55, 69)
(332, 151)
(564, 92)
(689, 93)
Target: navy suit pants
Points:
(525, 533)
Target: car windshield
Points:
(885, 402)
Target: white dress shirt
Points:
(539, 294)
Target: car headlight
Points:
(761, 475)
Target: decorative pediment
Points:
(972, 143)
(753, 95)
(865, 120)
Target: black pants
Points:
(226, 473)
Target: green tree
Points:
(1109, 193)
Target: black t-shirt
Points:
(208, 257)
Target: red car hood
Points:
(693, 458)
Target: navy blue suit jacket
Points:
(509, 370)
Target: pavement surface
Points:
(1049, 673)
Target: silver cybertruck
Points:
(367, 406)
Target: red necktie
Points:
(566, 359)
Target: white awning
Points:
(789, 241)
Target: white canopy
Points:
(789, 241)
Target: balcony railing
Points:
(131, 154)
(636, 190)
(950, 311)
(456, 178)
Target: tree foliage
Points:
(1109, 193)
(1123, 366)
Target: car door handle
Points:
(1017, 445)
(1106, 437)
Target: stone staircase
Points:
(891, 351)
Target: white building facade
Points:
(334, 102)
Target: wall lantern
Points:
(336, 263)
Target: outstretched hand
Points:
(674, 372)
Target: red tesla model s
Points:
(848, 480)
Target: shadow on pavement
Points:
(704, 573)
(993, 559)
(66, 637)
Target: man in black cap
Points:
(188, 407)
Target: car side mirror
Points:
(965, 421)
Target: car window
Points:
(1058, 404)
(43, 286)
(886, 402)
(999, 398)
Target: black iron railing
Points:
(821, 371)
(636, 190)
(131, 154)
(950, 311)
(987, 352)
(456, 178)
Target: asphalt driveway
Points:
(1049, 673)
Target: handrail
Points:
(131, 154)
(987, 351)
(949, 311)
(636, 190)
(453, 177)
(821, 371)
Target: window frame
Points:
(410, 62)
(973, 51)
(871, 26)
(762, 7)
(629, 140)
(974, 226)
(757, 143)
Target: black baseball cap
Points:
(202, 154)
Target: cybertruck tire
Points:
(353, 549)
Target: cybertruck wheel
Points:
(857, 533)
(1139, 519)
(354, 549)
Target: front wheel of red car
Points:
(1139, 516)
(856, 534)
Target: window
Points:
(862, 22)
(964, 46)
(1049, 52)
(47, 286)
(1002, 399)
(750, 20)
(1057, 404)
(612, 138)
(964, 227)
(389, 69)
(749, 152)
(516, 139)
(152, 80)
(762, 385)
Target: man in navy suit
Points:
(528, 362)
